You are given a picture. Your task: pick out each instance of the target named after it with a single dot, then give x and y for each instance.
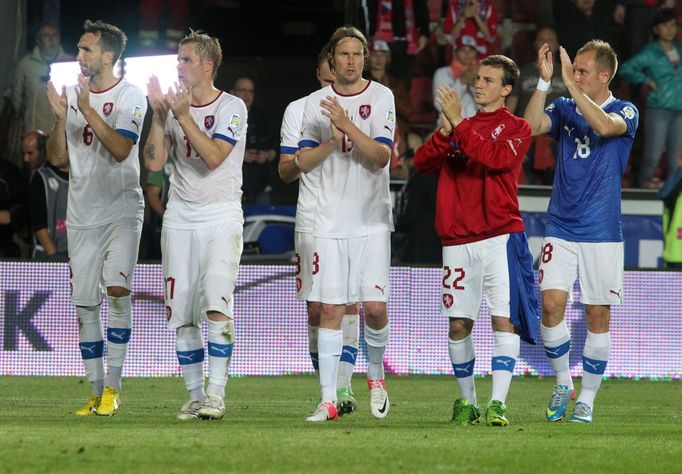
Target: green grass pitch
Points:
(637, 428)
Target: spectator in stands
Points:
(415, 214)
(156, 193)
(260, 154)
(403, 24)
(176, 13)
(29, 89)
(12, 208)
(671, 194)
(540, 162)
(377, 69)
(47, 199)
(658, 66)
(472, 22)
(460, 74)
(579, 21)
(637, 16)
(33, 150)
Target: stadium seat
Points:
(421, 96)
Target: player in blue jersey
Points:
(584, 235)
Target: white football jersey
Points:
(308, 184)
(199, 196)
(354, 198)
(102, 190)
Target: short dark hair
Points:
(663, 15)
(604, 55)
(207, 48)
(41, 139)
(111, 38)
(346, 32)
(510, 71)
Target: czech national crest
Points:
(365, 110)
(107, 108)
(209, 120)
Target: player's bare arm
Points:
(606, 125)
(212, 151)
(379, 153)
(534, 114)
(158, 144)
(116, 144)
(288, 171)
(57, 150)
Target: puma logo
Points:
(595, 367)
(504, 362)
(223, 350)
(125, 277)
(617, 293)
(117, 335)
(464, 369)
(189, 357)
(75, 110)
(568, 130)
(90, 349)
(380, 288)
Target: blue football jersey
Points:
(586, 196)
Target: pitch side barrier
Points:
(39, 329)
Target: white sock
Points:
(312, 348)
(376, 340)
(595, 358)
(91, 343)
(463, 358)
(350, 326)
(189, 348)
(329, 346)
(557, 342)
(505, 353)
(118, 335)
(220, 343)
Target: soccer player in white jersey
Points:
(348, 132)
(584, 232)
(201, 241)
(305, 213)
(96, 133)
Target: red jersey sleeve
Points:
(428, 159)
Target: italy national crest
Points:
(107, 108)
(365, 111)
(209, 120)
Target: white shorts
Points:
(350, 270)
(597, 265)
(199, 271)
(468, 269)
(304, 242)
(102, 257)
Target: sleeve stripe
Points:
(308, 144)
(128, 134)
(288, 150)
(385, 141)
(225, 138)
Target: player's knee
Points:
(460, 328)
(216, 316)
(502, 324)
(314, 313)
(598, 318)
(552, 311)
(375, 313)
(117, 291)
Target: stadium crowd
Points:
(417, 46)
